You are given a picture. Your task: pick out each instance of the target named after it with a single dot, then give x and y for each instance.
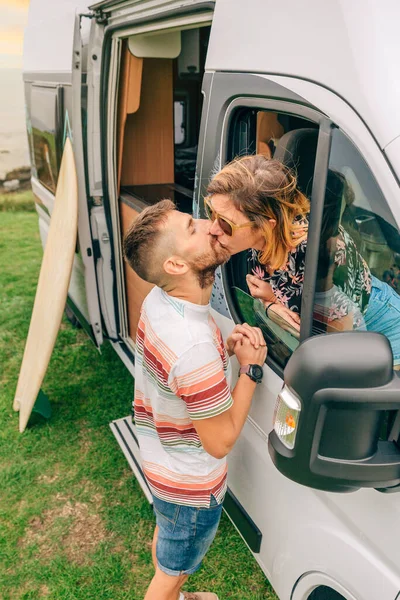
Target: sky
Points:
(13, 17)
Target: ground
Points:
(17, 201)
(74, 524)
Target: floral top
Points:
(352, 276)
(333, 304)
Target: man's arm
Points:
(218, 415)
(218, 434)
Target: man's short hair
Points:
(142, 241)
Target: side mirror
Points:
(328, 416)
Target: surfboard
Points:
(52, 288)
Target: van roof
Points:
(351, 47)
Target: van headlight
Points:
(286, 417)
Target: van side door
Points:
(93, 230)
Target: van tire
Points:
(324, 592)
(71, 317)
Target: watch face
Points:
(257, 371)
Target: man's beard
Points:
(206, 276)
(206, 264)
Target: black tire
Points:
(71, 317)
(325, 593)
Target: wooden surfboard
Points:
(52, 288)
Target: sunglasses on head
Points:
(225, 224)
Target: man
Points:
(187, 419)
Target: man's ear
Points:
(174, 265)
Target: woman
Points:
(254, 204)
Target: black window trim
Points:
(314, 228)
(317, 200)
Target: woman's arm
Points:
(287, 319)
(342, 324)
(263, 291)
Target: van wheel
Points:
(325, 593)
(71, 317)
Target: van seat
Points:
(297, 150)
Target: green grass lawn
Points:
(17, 201)
(74, 523)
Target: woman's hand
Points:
(288, 316)
(253, 334)
(263, 290)
(260, 289)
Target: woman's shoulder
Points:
(253, 254)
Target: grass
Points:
(74, 524)
(17, 201)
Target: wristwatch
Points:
(255, 372)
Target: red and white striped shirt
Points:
(182, 374)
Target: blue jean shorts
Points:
(185, 535)
(383, 315)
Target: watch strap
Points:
(248, 370)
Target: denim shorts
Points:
(185, 535)
(383, 314)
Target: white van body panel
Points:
(392, 151)
(49, 37)
(351, 48)
(352, 538)
(352, 125)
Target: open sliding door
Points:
(87, 247)
(153, 120)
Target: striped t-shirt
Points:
(182, 374)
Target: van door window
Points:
(293, 141)
(46, 133)
(180, 122)
(358, 276)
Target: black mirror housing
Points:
(345, 383)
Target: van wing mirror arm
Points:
(394, 434)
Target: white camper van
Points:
(155, 96)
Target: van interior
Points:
(158, 121)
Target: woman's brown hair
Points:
(264, 189)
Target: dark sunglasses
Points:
(225, 224)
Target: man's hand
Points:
(254, 334)
(247, 354)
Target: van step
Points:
(125, 434)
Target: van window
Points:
(358, 276)
(179, 122)
(293, 141)
(46, 135)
